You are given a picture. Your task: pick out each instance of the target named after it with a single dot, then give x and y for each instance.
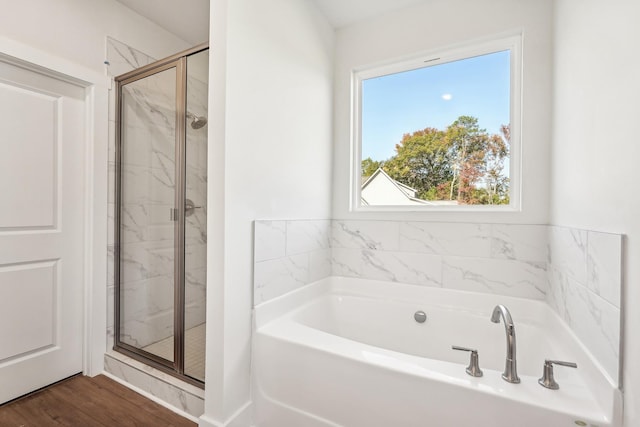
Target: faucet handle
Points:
(474, 367)
(547, 379)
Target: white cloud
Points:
(447, 96)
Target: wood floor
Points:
(87, 402)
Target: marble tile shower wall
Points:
(577, 272)
(121, 58)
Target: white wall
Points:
(437, 24)
(596, 146)
(76, 29)
(272, 63)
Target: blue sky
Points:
(434, 97)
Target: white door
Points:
(41, 229)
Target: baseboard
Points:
(241, 418)
(205, 421)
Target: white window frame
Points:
(513, 43)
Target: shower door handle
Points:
(190, 207)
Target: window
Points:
(440, 131)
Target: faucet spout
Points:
(510, 373)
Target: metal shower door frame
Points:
(179, 62)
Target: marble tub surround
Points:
(494, 258)
(289, 255)
(503, 259)
(585, 280)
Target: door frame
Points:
(95, 179)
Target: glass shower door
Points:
(161, 219)
(147, 216)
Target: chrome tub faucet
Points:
(510, 373)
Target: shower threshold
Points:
(194, 350)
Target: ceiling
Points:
(189, 19)
(341, 13)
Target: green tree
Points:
(422, 161)
(369, 166)
(462, 163)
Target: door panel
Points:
(30, 148)
(31, 288)
(196, 219)
(147, 199)
(41, 230)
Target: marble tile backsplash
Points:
(577, 272)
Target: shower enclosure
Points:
(160, 216)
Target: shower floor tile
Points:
(194, 350)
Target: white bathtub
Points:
(348, 352)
